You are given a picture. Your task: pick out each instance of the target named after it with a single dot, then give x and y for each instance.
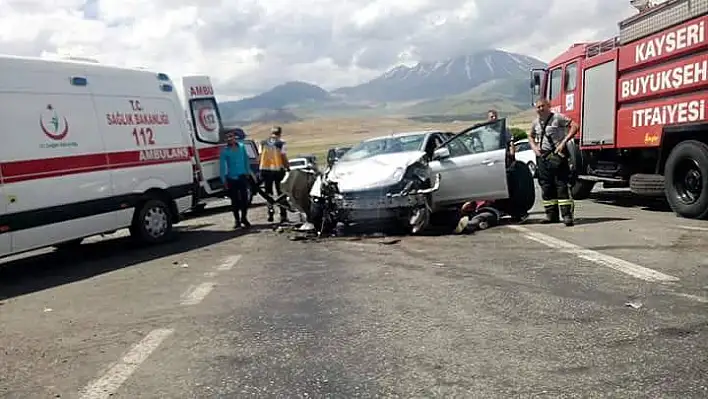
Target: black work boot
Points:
(567, 213)
(237, 222)
(551, 214)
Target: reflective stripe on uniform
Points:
(550, 202)
(562, 202)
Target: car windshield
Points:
(384, 145)
(297, 163)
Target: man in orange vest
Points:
(273, 165)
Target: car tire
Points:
(522, 189)
(152, 222)
(532, 168)
(686, 176)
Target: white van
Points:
(89, 149)
(205, 122)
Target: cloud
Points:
(248, 46)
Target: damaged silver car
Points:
(405, 178)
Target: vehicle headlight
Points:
(398, 173)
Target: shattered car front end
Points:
(390, 188)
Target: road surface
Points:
(616, 306)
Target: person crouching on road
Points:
(235, 170)
(549, 136)
(478, 215)
(273, 165)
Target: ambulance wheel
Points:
(152, 222)
(686, 179)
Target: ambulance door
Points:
(5, 235)
(206, 125)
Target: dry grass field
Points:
(315, 136)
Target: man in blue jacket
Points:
(235, 170)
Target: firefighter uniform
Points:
(272, 169)
(554, 173)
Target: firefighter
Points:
(550, 133)
(273, 165)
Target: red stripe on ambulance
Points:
(16, 171)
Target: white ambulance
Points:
(204, 119)
(89, 149)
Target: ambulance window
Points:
(554, 83)
(571, 77)
(206, 120)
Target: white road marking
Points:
(210, 274)
(693, 228)
(108, 384)
(194, 295)
(620, 265)
(229, 263)
(691, 297)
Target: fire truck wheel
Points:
(686, 176)
(152, 222)
(647, 185)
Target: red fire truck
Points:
(640, 100)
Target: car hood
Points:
(373, 172)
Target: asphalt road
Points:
(616, 306)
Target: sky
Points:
(249, 46)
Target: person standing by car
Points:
(273, 165)
(549, 136)
(493, 115)
(235, 168)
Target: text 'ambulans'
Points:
(164, 154)
(674, 78)
(667, 43)
(684, 112)
(131, 119)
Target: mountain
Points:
(275, 99)
(440, 79)
(463, 86)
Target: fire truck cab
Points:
(640, 100)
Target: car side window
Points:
(485, 138)
(458, 147)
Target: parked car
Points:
(303, 162)
(405, 177)
(525, 154)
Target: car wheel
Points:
(152, 222)
(686, 176)
(522, 189)
(532, 168)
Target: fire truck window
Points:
(571, 77)
(555, 83)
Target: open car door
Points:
(472, 165)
